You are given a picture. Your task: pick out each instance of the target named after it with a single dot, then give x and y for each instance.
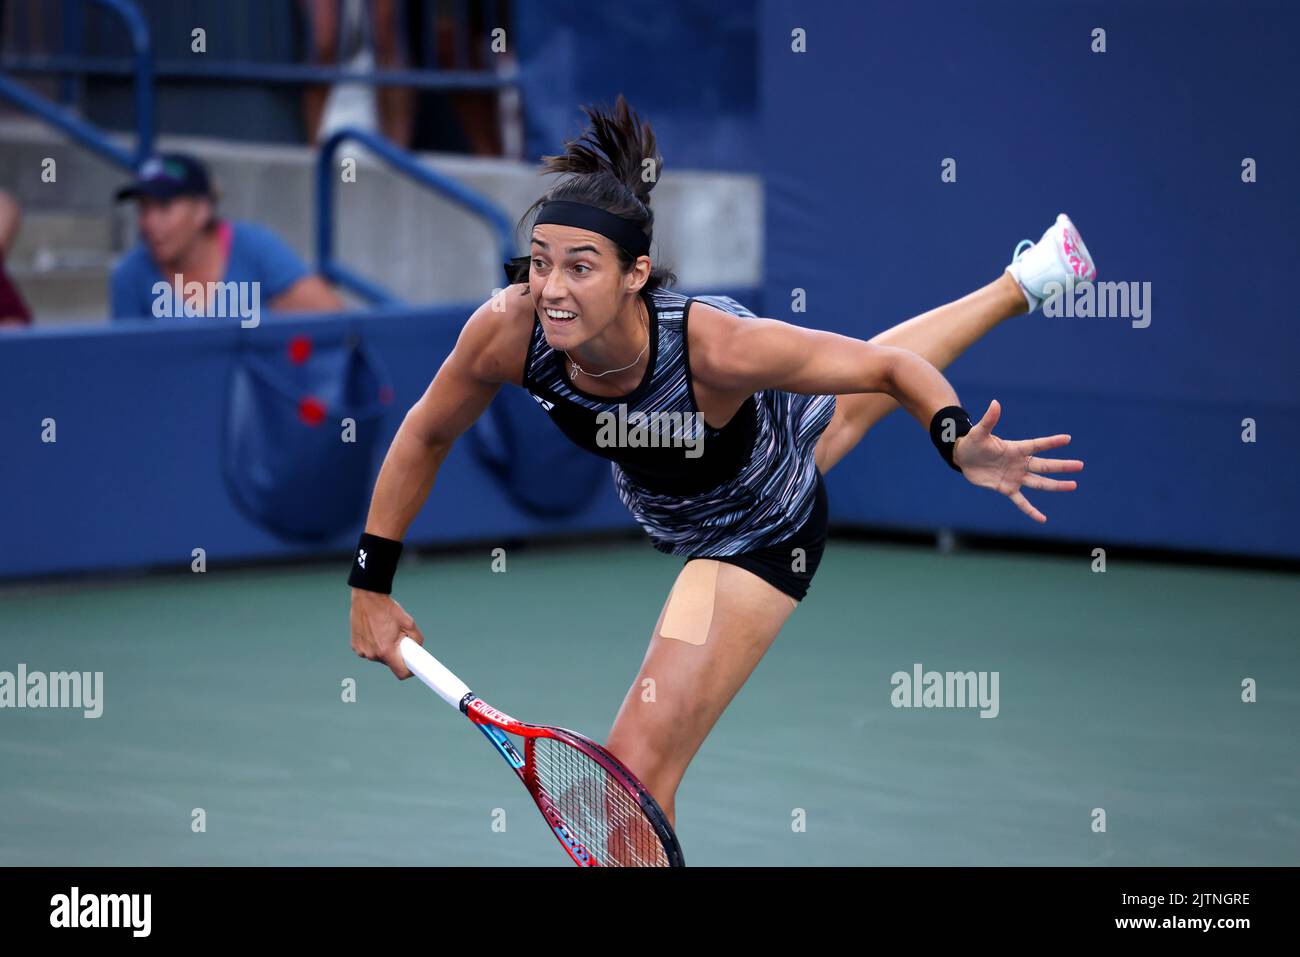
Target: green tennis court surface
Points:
(223, 691)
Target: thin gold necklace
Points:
(576, 369)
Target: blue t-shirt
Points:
(256, 255)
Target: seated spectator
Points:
(13, 311)
(182, 236)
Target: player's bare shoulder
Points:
(494, 341)
(714, 336)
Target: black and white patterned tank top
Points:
(696, 490)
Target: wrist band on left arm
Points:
(948, 425)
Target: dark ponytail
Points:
(613, 164)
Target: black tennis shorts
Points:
(774, 563)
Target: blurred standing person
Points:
(326, 19)
(466, 121)
(13, 311)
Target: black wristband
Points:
(954, 420)
(375, 564)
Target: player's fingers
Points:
(1036, 464)
(393, 656)
(417, 636)
(1047, 442)
(361, 644)
(990, 417)
(1048, 485)
(1023, 504)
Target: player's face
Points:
(574, 271)
(170, 227)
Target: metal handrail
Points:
(88, 135)
(267, 72)
(403, 162)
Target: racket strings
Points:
(598, 810)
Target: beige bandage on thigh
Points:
(690, 606)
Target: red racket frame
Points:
(481, 713)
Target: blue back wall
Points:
(1143, 146)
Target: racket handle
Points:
(432, 672)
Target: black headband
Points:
(624, 232)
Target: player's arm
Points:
(743, 355)
(488, 352)
(463, 387)
(738, 355)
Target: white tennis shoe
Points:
(1053, 264)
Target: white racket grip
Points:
(433, 672)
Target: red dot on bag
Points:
(386, 394)
(311, 410)
(299, 349)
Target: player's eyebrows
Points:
(587, 248)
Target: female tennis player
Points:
(594, 333)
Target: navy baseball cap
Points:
(169, 175)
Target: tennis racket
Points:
(599, 811)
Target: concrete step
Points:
(48, 239)
(64, 295)
(416, 244)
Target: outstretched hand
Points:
(1008, 465)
